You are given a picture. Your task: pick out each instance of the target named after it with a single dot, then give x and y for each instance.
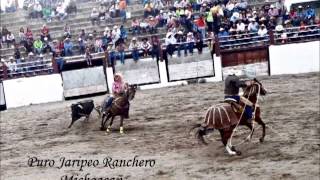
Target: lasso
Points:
(253, 119)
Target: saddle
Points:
(234, 105)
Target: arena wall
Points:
(2, 98)
(145, 71)
(294, 58)
(190, 67)
(33, 90)
(84, 81)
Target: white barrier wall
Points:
(144, 71)
(33, 90)
(84, 81)
(294, 58)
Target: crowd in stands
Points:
(189, 25)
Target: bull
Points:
(80, 109)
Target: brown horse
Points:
(225, 117)
(119, 107)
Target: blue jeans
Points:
(135, 55)
(247, 110)
(68, 52)
(107, 103)
(182, 47)
(121, 56)
(112, 57)
(190, 47)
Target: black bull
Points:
(80, 109)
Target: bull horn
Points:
(80, 106)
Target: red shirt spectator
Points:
(201, 23)
(29, 34)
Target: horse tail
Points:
(201, 131)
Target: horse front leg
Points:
(225, 137)
(110, 124)
(121, 125)
(260, 122)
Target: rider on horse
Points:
(118, 89)
(231, 93)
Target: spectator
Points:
(121, 51)
(240, 26)
(170, 42)
(10, 6)
(112, 54)
(10, 39)
(201, 26)
(135, 47)
(144, 26)
(17, 54)
(72, 7)
(273, 12)
(37, 10)
(98, 45)
(67, 31)
(94, 16)
(45, 33)
(102, 12)
(60, 62)
(135, 26)
(38, 46)
(146, 46)
(190, 41)
(12, 66)
(153, 25)
(122, 8)
(148, 10)
(181, 41)
(61, 12)
(4, 34)
(309, 14)
(199, 42)
(262, 31)
(68, 45)
(123, 33)
(253, 26)
(29, 34)
(47, 13)
(29, 46)
(46, 46)
(88, 57)
(155, 50)
(22, 37)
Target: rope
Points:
(253, 119)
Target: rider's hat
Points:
(249, 72)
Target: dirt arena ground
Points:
(158, 129)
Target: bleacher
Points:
(81, 20)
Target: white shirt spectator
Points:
(10, 37)
(262, 31)
(60, 9)
(253, 26)
(240, 27)
(170, 39)
(12, 65)
(37, 7)
(134, 45)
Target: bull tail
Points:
(201, 131)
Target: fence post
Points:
(54, 64)
(5, 72)
(271, 37)
(217, 45)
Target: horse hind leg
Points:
(121, 125)
(201, 131)
(260, 122)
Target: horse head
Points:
(254, 89)
(131, 92)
